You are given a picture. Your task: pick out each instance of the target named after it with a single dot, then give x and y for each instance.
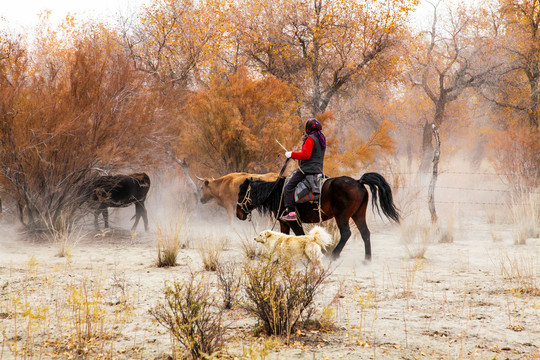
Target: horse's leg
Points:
(360, 220)
(284, 227)
(345, 232)
(297, 228)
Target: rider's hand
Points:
(288, 154)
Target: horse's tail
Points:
(381, 189)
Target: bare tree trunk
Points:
(427, 149)
(185, 169)
(436, 156)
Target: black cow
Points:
(120, 191)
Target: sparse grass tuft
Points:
(75, 320)
(252, 249)
(365, 299)
(408, 274)
(62, 234)
(520, 272)
(417, 235)
(211, 251)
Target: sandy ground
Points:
(463, 300)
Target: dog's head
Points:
(263, 236)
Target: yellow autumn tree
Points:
(515, 92)
(177, 42)
(322, 46)
(233, 125)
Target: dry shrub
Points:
(277, 293)
(230, 279)
(73, 103)
(170, 240)
(188, 313)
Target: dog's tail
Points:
(321, 236)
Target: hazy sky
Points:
(19, 14)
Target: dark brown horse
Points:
(120, 191)
(342, 198)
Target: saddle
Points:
(309, 189)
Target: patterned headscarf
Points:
(314, 127)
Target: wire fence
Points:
(494, 185)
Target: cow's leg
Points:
(96, 216)
(105, 212)
(145, 217)
(140, 210)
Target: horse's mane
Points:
(265, 195)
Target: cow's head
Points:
(207, 192)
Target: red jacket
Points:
(307, 149)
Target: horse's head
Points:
(244, 206)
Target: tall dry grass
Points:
(171, 239)
(520, 272)
(525, 210)
(211, 248)
(417, 234)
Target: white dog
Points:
(309, 246)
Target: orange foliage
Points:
(515, 151)
(233, 126)
(355, 153)
(92, 110)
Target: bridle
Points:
(246, 201)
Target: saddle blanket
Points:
(304, 193)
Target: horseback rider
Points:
(311, 163)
